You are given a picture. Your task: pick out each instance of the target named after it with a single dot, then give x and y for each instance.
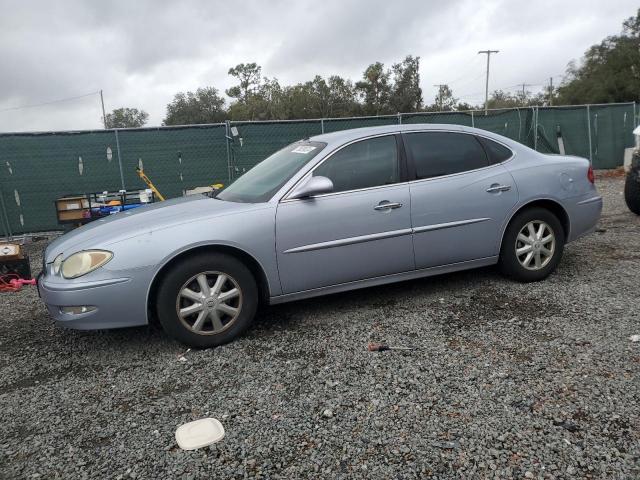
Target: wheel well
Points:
(250, 262)
(554, 207)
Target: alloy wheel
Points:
(209, 302)
(535, 245)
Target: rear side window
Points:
(368, 163)
(442, 153)
(497, 153)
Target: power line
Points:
(524, 89)
(465, 76)
(468, 80)
(68, 99)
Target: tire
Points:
(208, 318)
(513, 265)
(632, 192)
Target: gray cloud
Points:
(141, 53)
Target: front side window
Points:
(368, 163)
(443, 153)
(262, 182)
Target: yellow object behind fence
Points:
(159, 196)
(150, 184)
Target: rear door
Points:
(460, 198)
(360, 230)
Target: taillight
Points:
(590, 175)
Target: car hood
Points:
(143, 220)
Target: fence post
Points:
(227, 136)
(589, 132)
(535, 128)
(120, 160)
(473, 122)
(5, 217)
(4, 227)
(322, 125)
(399, 118)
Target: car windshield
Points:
(261, 182)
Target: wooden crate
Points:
(73, 209)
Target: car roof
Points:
(345, 136)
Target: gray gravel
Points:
(511, 381)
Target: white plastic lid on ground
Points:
(199, 433)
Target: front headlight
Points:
(82, 263)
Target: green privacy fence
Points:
(37, 168)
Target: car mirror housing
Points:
(313, 186)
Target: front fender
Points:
(252, 232)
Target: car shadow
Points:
(283, 315)
(291, 316)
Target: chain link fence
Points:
(38, 168)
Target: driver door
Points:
(360, 230)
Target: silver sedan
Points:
(334, 212)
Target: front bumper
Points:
(117, 302)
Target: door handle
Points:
(498, 188)
(387, 205)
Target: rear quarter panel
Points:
(562, 179)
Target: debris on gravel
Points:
(511, 381)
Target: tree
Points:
(320, 96)
(126, 118)
(502, 99)
(466, 106)
(406, 95)
(375, 89)
(444, 100)
(609, 71)
(343, 101)
(334, 97)
(300, 101)
(267, 102)
(249, 77)
(203, 106)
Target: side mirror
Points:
(313, 186)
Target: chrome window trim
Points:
(334, 194)
(285, 198)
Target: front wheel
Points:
(207, 300)
(532, 245)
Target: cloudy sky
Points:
(140, 53)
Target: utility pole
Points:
(104, 116)
(524, 92)
(550, 91)
(486, 89)
(440, 87)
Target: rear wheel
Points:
(632, 192)
(532, 245)
(207, 300)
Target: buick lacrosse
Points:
(330, 213)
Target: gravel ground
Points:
(511, 381)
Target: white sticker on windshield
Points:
(303, 149)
